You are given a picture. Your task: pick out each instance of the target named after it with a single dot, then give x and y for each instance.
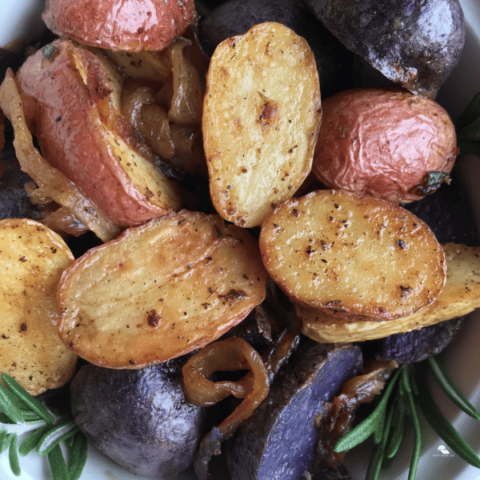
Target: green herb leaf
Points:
(77, 456)
(54, 436)
(470, 114)
(49, 51)
(32, 403)
(13, 456)
(4, 419)
(417, 444)
(8, 402)
(364, 429)
(378, 432)
(398, 432)
(4, 440)
(31, 441)
(57, 464)
(381, 453)
(443, 427)
(372, 463)
(450, 389)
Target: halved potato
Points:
(70, 107)
(460, 296)
(261, 117)
(32, 259)
(160, 291)
(362, 256)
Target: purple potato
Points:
(138, 418)
(236, 17)
(418, 345)
(278, 441)
(416, 43)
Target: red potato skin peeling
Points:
(132, 26)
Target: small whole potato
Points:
(387, 143)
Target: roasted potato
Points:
(360, 256)
(52, 184)
(386, 143)
(159, 291)
(32, 259)
(236, 17)
(71, 104)
(460, 296)
(416, 44)
(117, 25)
(261, 119)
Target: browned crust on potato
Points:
(261, 117)
(70, 107)
(32, 259)
(160, 291)
(118, 25)
(383, 143)
(460, 296)
(360, 256)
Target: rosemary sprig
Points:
(18, 408)
(390, 417)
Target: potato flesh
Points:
(262, 113)
(361, 256)
(460, 296)
(160, 291)
(32, 259)
(69, 103)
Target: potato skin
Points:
(383, 142)
(63, 107)
(129, 26)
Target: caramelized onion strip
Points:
(60, 189)
(337, 417)
(227, 355)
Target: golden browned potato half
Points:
(160, 291)
(361, 256)
(71, 100)
(32, 259)
(460, 296)
(261, 118)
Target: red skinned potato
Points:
(160, 291)
(387, 143)
(118, 25)
(71, 104)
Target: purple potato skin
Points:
(14, 202)
(278, 441)
(414, 43)
(138, 418)
(418, 345)
(236, 17)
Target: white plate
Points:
(21, 19)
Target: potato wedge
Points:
(70, 107)
(52, 184)
(460, 296)
(261, 117)
(362, 256)
(32, 259)
(160, 291)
